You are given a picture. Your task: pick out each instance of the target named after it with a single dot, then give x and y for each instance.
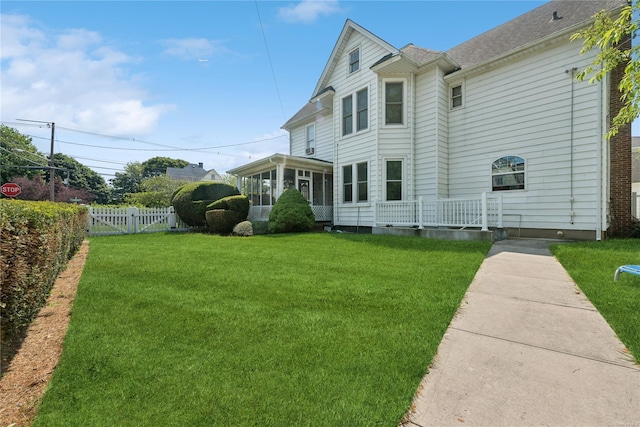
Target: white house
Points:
(494, 133)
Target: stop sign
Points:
(10, 189)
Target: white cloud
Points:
(73, 78)
(308, 10)
(193, 48)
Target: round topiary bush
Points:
(191, 200)
(291, 213)
(221, 221)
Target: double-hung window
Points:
(310, 134)
(354, 60)
(394, 103)
(360, 104)
(363, 182)
(347, 184)
(355, 183)
(394, 180)
(456, 96)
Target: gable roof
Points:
(529, 28)
(191, 172)
(347, 30)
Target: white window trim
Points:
(359, 49)
(354, 112)
(526, 173)
(404, 102)
(404, 176)
(463, 95)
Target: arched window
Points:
(507, 173)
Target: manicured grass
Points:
(289, 330)
(592, 266)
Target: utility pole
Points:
(52, 166)
(52, 170)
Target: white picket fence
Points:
(108, 220)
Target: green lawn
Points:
(290, 330)
(592, 265)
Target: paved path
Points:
(527, 348)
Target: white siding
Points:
(324, 138)
(361, 146)
(524, 108)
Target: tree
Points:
(613, 39)
(18, 156)
(38, 189)
(157, 166)
(127, 181)
(82, 177)
(155, 192)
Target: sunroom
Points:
(263, 181)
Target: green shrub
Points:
(259, 227)
(191, 200)
(291, 213)
(239, 204)
(36, 241)
(222, 221)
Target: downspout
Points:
(572, 71)
(437, 132)
(599, 147)
(412, 130)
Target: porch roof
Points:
(269, 163)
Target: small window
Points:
(394, 179)
(347, 183)
(347, 115)
(507, 173)
(354, 60)
(363, 182)
(456, 96)
(311, 137)
(363, 109)
(394, 103)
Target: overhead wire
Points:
(273, 73)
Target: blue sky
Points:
(203, 81)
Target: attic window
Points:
(456, 96)
(354, 60)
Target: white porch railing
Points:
(483, 212)
(108, 220)
(322, 213)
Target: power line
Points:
(273, 73)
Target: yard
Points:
(308, 329)
(592, 265)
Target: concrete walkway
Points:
(527, 348)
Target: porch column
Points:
(280, 180)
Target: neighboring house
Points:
(193, 172)
(496, 132)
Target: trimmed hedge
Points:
(191, 200)
(291, 213)
(222, 221)
(239, 204)
(36, 241)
